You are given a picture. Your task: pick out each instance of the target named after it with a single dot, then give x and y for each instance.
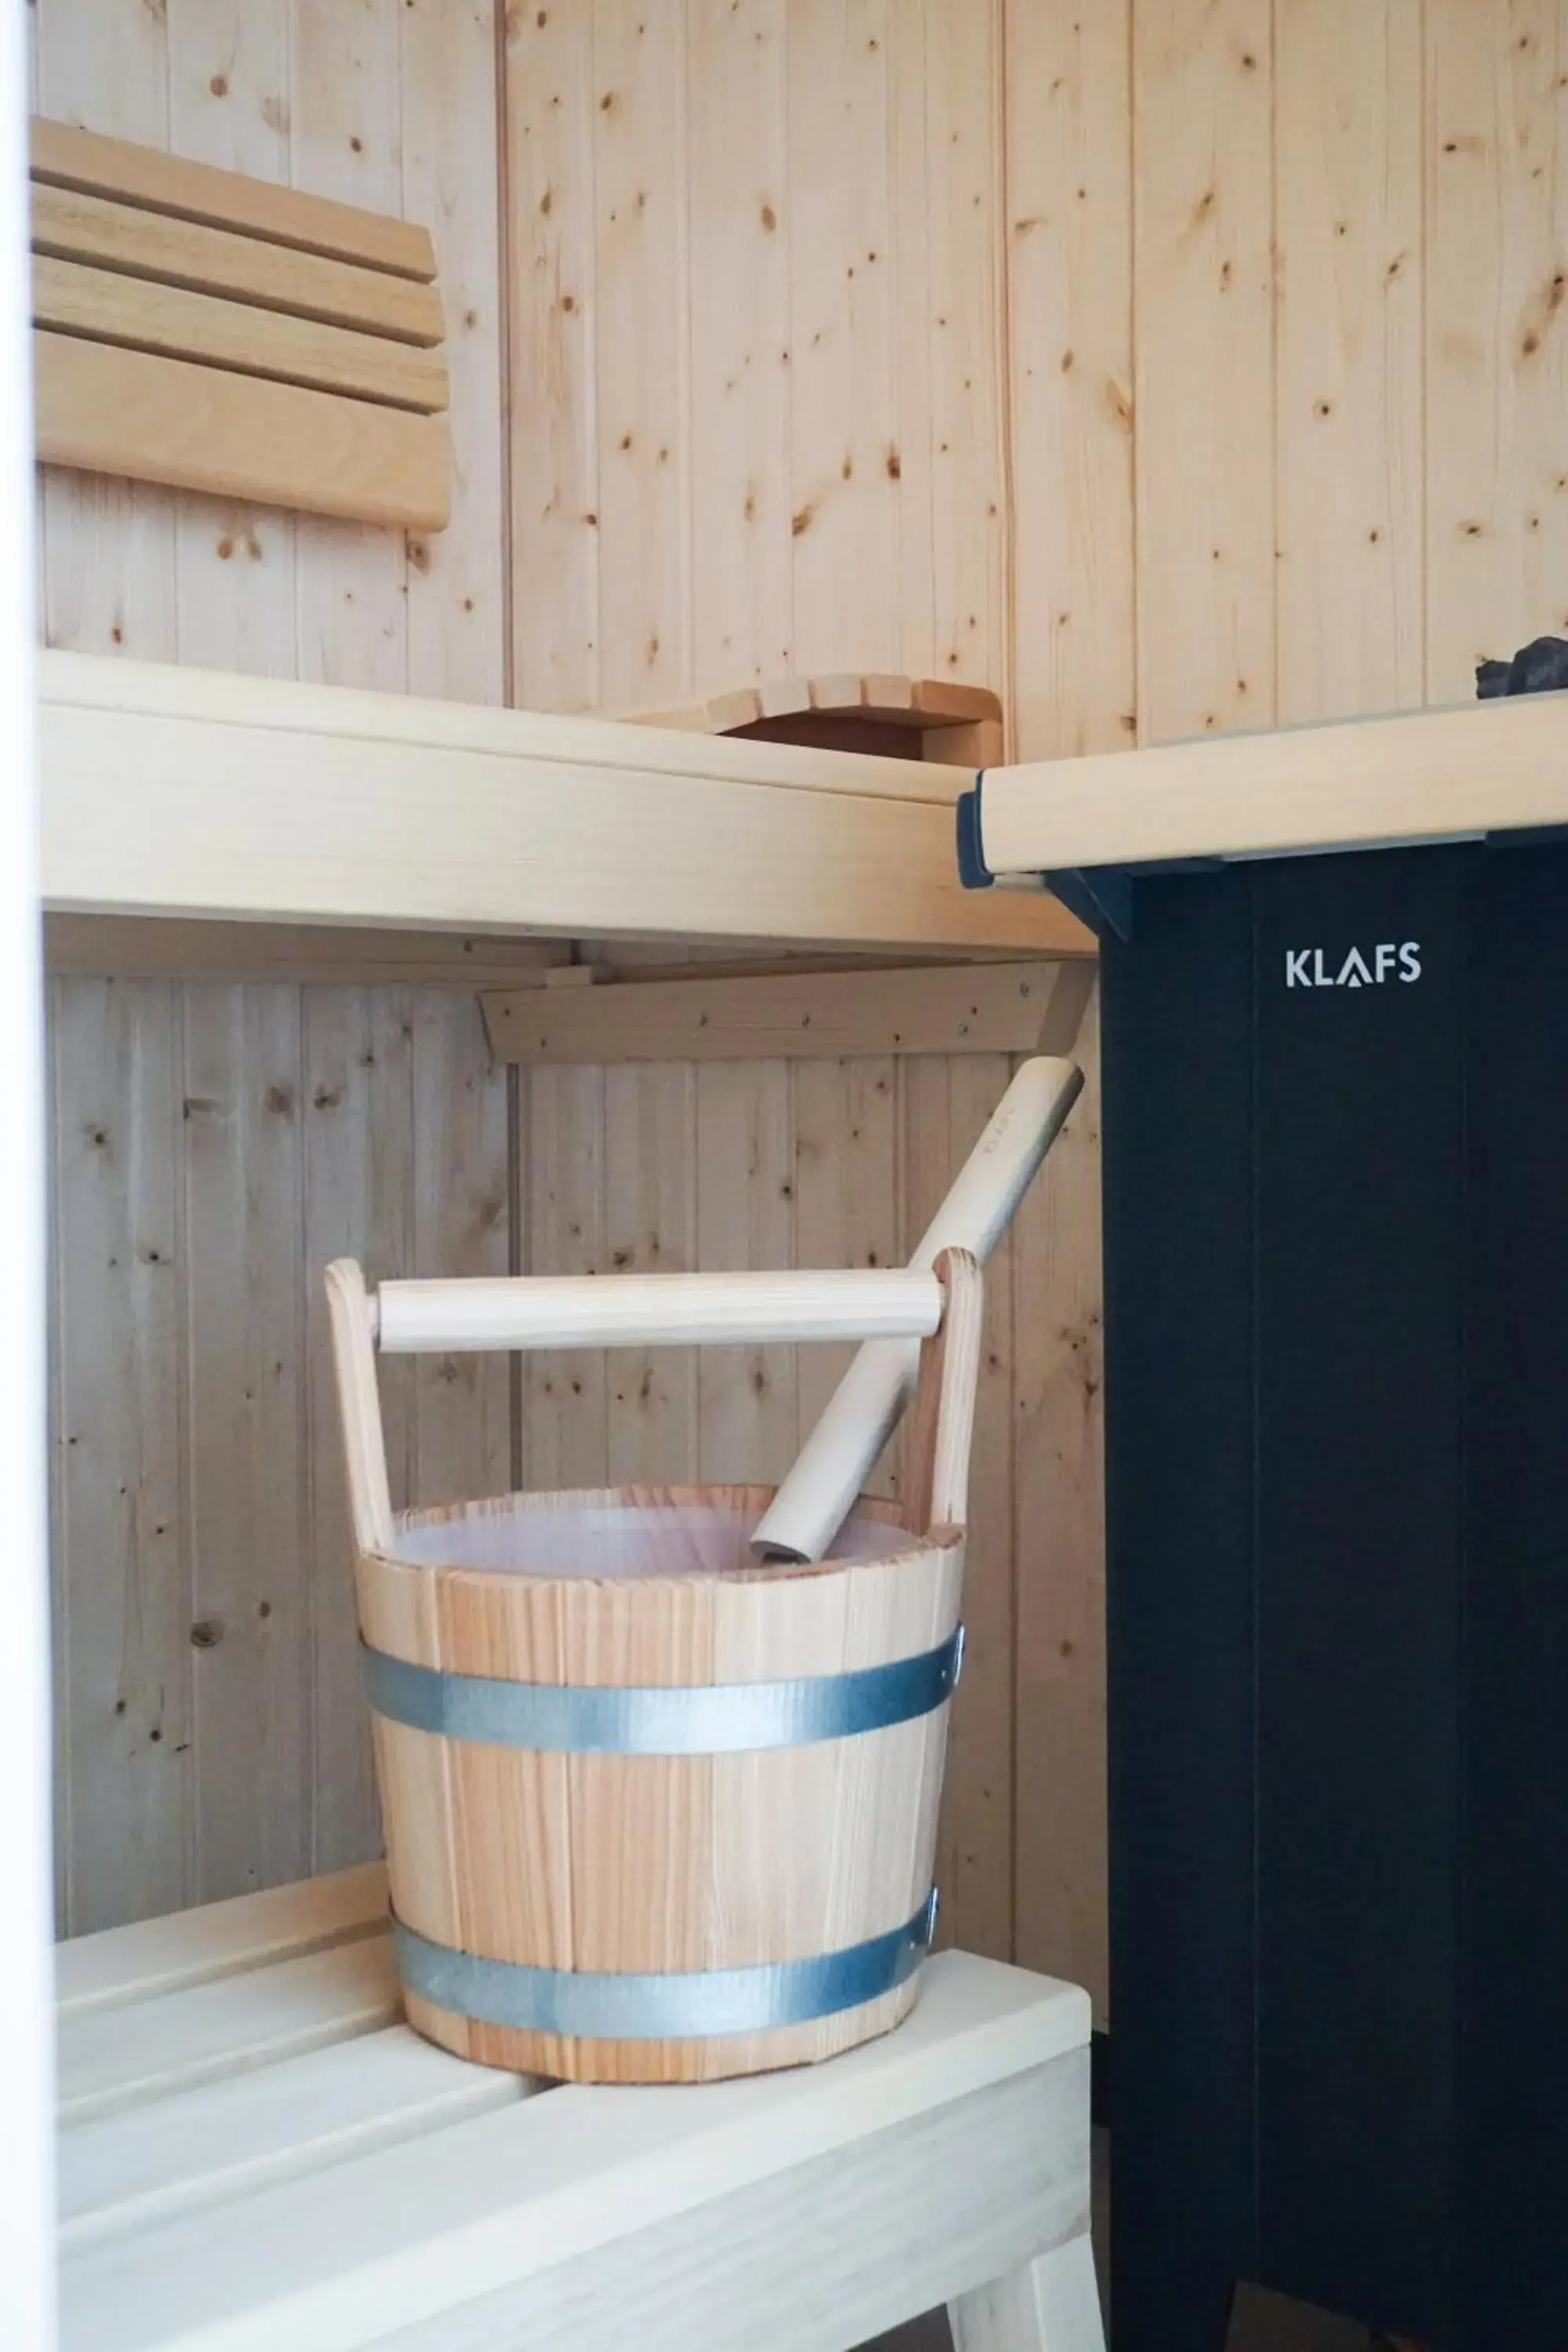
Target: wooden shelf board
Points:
(186, 794)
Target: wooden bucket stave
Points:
(590, 1864)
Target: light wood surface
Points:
(659, 1862)
(928, 706)
(620, 428)
(1057, 1632)
(124, 1660)
(125, 2173)
(1496, 535)
(495, 1589)
(105, 947)
(314, 705)
(944, 1428)
(974, 1009)
(157, 419)
(65, 156)
(975, 1847)
(374, 2190)
(352, 1327)
(214, 814)
(110, 2060)
(113, 279)
(1351, 489)
(1427, 775)
(1067, 102)
(247, 1630)
(470, 1590)
(865, 1407)
(1203, 296)
(71, 226)
(651, 1310)
(399, 1120)
(183, 1948)
(102, 306)
(1051, 2305)
(755, 427)
(379, 1124)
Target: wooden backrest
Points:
(214, 333)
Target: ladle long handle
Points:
(863, 1410)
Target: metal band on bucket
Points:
(693, 2004)
(690, 1720)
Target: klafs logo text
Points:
(1309, 968)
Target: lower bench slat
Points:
(118, 2057)
(121, 2173)
(191, 1948)
(385, 2242)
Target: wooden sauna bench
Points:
(179, 792)
(256, 2153)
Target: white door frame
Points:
(27, 2023)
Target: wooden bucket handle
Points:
(654, 1311)
(943, 1430)
(634, 1310)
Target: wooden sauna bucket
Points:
(654, 1813)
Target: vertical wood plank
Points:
(975, 1843)
(641, 296)
(908, 460)
(389, 105)
(1069, 223)
(1060, 1539)
(1348, 139)
(250, 1577)
(1069, 261)
(842, 498)
(944, 1106)
(108, 582)
(745, 1217)
(121, 1616)
(968, 493)
(564, 1439)
(1203, 289)
(359, 1150)
(1497, 359)
(229, 105)
(345, 141)
(551, 373)
(845, 1203)
(457, 643)
(462, 1408)
(650, 1227)
(743, 607)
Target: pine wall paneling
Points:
(1348, 391)
(1070, 258)
(758, 423)
(215, 1144)
(757, 388)
(1496, 274)
(1169, 368)
(1203, 298)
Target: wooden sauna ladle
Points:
(863, 1410)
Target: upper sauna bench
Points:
(181, 792)
(1498, 767)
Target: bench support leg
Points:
(1052, 2305)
